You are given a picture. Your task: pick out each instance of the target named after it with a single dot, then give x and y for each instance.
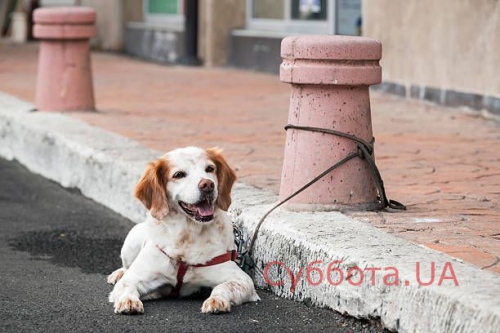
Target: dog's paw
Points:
(216, 305)
(114, 277)
(129, 305)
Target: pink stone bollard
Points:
(330, 77)
(64, 80)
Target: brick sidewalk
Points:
(443, 163)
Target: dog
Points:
(187, 240)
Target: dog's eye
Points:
(179, 174)
(210, 169)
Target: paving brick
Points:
(444, 163)
(480, 258)
(494, 269)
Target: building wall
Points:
(133, 11)
(109, 23)
(254, 52)
(161, 42)
(448, 45)
(216, 19)
(159, 45)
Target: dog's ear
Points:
(152, 188)
(225, 176)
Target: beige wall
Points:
(109, 23)
(133, 11)
(217, 18)
(449, 44)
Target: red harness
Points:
(183, 267)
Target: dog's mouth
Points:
(202, 211)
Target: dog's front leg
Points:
(148, 272)
(125, 296)
(134, 242)
(235, 288)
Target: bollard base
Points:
(330, 78)
(64, 81)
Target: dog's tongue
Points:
(204, 209)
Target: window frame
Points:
(176, 20)
(289, 25)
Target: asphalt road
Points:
(56, 248)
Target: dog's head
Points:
(188, 180)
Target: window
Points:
(268, 9)
(304, 16)
(290, 16)
(163, 7)
(164, 11)
(313, 10)
(348, 20)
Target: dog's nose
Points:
(206, 185)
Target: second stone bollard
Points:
(64, 80)
(330, 77)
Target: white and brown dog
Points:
(187, 240)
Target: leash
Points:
(364, 151)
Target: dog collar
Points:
(183, 267)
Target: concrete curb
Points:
(105, 168)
